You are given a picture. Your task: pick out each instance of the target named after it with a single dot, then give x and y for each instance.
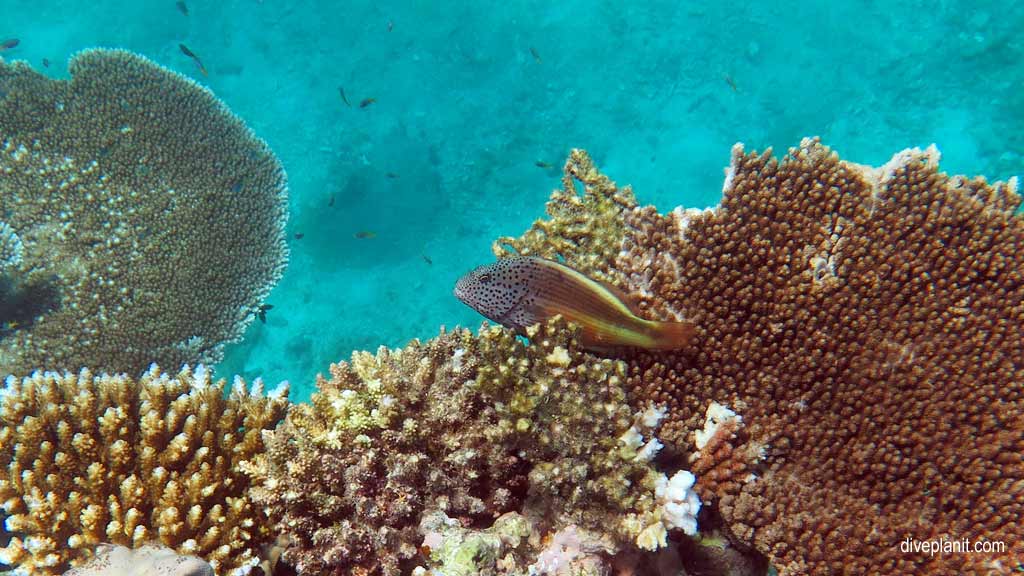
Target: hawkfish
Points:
(521, 291)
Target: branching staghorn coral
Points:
(107, 459)
(864, 326)
(151, 218)
(470, 426)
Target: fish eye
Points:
(485, 277)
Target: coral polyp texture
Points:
(151, 219)
(108, 459)
(465, 426)
(860, 347)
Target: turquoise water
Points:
(469, 98)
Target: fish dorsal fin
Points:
(621, 294)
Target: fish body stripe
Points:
(615, 334)
(589, 303)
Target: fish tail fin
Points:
(672, 335)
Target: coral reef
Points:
(511, 546)
(151, 218)
(145, 561)
(468, 426)
(92, 459)
(866, 326)
(455, 550)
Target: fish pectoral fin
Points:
(533, 314)
(523, 315)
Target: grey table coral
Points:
(151, 219)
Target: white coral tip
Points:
(679, 503)
(279, 391)
(653, 415)
(649, 451)
(200, 377)
(679, 485)
(631, 438)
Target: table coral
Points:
(94, 459)
(864, 326)
(151, 219)
(471, 426)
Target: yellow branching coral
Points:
(151, 218)
(471, 426)
(91, 459)
(857, 382)
(585, 230)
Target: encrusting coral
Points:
(865, 327)
(144, 561)
(468, 426)
(108, 459)
(151, 219)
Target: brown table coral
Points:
(150, 219)
(865, 324)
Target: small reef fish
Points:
(341, 92)
(8, 44)
(731, 83)
(391, 25)
(330, 203)
(427, 259)
(543, 164)
(46, 63)
(366, 102)
(365, 235)
(182, 7)
(190, 54)
(521, 291)
(299, 235)
(536, 56)
(261, 311)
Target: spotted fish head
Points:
(495, 290)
